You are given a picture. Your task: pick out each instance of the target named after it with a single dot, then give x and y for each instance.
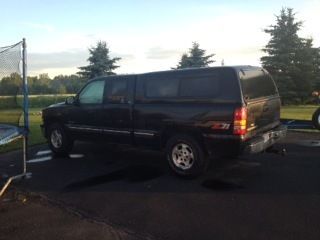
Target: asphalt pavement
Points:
(134, 193)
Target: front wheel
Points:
(316, 119)
(59, 142)
(186, 156)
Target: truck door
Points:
(84, 117)
(118, 107)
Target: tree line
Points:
(42, 84)
(293, 62)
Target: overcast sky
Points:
(147, 34)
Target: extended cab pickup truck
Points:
(191, 114)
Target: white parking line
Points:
(45, 152)
(249, 164)
(309, 143)
(43, 159)
(76, 155)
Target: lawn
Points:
(35, 136)
(299, 112)
(36, 103)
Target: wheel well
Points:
(315, 119)
(170, 132)
(49, 122)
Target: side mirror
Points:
(70, 100)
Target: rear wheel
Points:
(316, 119)
(186, 156)
(58, 140)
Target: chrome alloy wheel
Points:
(56, 138)
(182, 156)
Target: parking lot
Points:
(135, 195)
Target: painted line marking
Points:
(309, 143)
(76, 155)
(43, 152)
(43, 159)
(249, 164)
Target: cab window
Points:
(118, 92)
(92, 93)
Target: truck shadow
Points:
(221, 185)
(131, 174)
(105, 169)
(139, 168)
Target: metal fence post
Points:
(25, 104)
(24, 174)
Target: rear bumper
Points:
(265, 140)
(230, 144)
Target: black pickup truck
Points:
(191, 114)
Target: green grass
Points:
(299, 112)
(35, 136)
(35, 101)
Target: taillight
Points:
(240, 121)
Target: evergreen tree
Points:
(316, 69)
(305, 73)
(290, 59)
(195, 58)
(184, 62)
(100, 62)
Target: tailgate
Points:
(263, 115)
(262, 100)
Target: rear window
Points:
(257, 84)
(164, 88)
(200, 87)
(215, 84)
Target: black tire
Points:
(60, 147)
(316, 119)
(187, 167)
